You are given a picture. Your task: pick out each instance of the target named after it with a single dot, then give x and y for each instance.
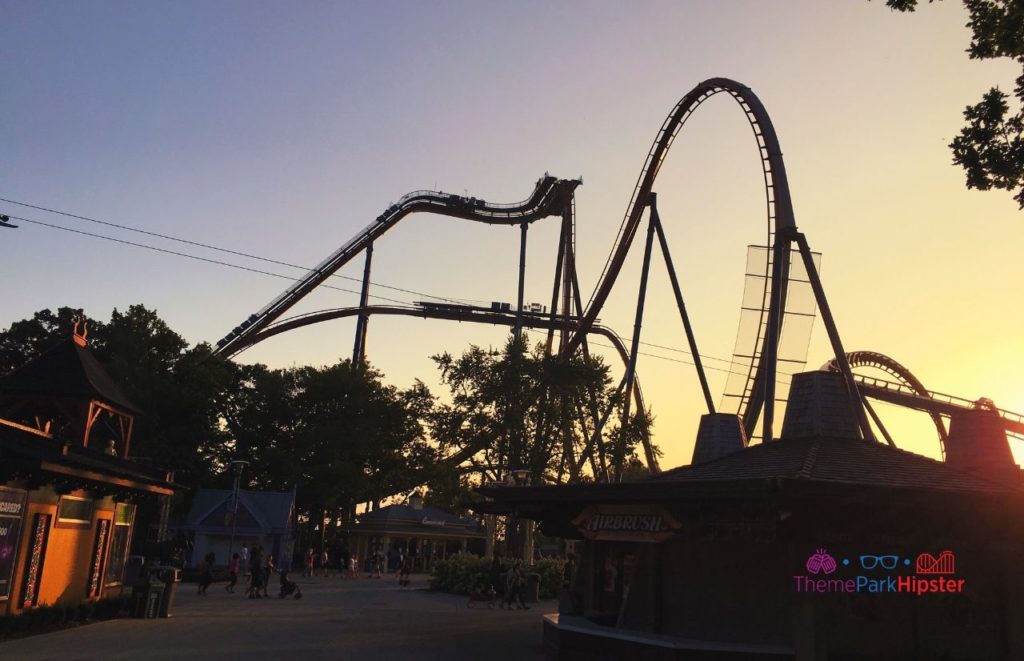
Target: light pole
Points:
(238, 465)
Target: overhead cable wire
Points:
(280, 263)
(195, 257)
(208, 246)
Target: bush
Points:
(551, 571)
(85, 611)
(47, 618)
(461, 574)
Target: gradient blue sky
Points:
(280, 129)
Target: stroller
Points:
(289, 588)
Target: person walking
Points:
(268, 571)
(206, 577)
(243, 558)
(256, 570)
(233, 571)
(379, 564)
(324, 561)
(310, 560)
(514, 582)
(403, 571)
(496, 574)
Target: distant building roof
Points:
(257, 510)
(405, 519)
(66, 370)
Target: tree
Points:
(337, 434)
(513, 409)
(990, 148)
(28, 338)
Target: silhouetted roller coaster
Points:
(573, 322)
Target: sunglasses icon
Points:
(873, 561)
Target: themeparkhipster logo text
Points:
(926, 574)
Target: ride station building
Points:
(819, 545)
(425, 534)
(68, 490)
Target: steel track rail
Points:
(548, 198)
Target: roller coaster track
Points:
(780, 219)
(908, 391)
(479, 316)
(550, 197)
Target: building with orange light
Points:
(68, 489)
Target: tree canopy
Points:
(338, 434)
(990, 148)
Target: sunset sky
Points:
(281, 129)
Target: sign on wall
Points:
(626, 523)
(12, 512)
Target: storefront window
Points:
(614, 574)
(119, 541)
(75, 510)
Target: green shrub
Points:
(461, 574)
(85, 611)
(57, 616)
(551, 571)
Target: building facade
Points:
(819, 545)
(69, 492)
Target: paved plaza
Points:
(336, 619)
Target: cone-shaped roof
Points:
(68, 369)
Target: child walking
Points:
(233, 569)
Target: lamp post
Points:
(238, 465)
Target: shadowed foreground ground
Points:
(336, 619)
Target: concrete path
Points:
(361, 619)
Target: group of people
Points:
(259, 566)
(318, 564)
(512, 580)
(311, 562)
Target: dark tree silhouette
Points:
(990, 148)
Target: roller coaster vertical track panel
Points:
(779, 216)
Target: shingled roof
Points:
(66, 370)
(825, 459)
(820, 461)
(408, 519)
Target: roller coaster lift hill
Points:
(573, 322)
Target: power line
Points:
(208, 246)
(282, 263)
(195, 257)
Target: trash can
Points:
(170, 576)
(146, 599)
(531, 592)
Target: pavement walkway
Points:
(359, 619)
